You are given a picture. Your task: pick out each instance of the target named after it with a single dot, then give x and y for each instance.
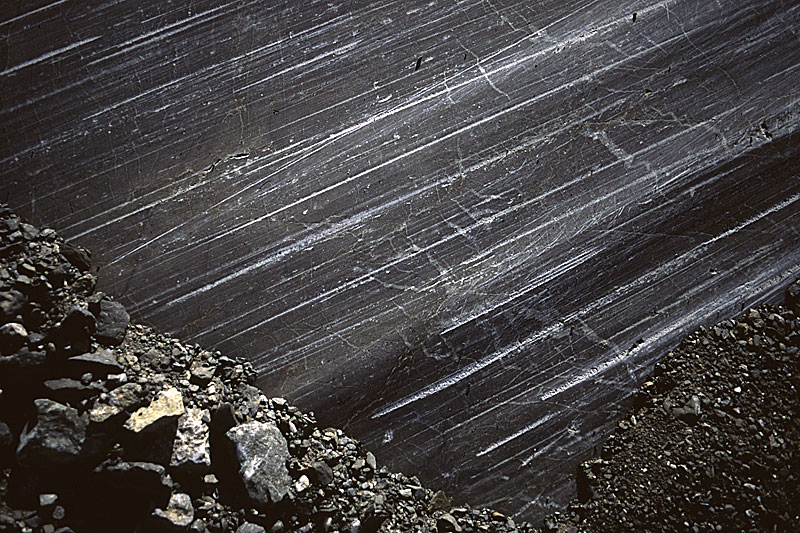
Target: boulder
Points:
(13, 336)
(191, 451)
(55, 438)
(112, 321)
(261, 454)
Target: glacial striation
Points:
(458, 229)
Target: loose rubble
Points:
(712, 441)
(106, 425)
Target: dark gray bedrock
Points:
(462, 231)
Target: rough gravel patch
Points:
(712, 442)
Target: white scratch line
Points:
(580, 378)
(465, 372)
(48, 55)
(514, 435)
(307, 151)
(537, 282)
(43, 8)
(451, 380)
(304, 243)
(142, 39)
(366, 278)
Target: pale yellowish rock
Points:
(166, 406)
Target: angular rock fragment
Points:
(68, 390)
(47, 500)
(103, 412)
(166, 407)
(112, 321)
(179, 513)
(191, 451)
(101, 362)
(447, 522)
(55, 438)
(690, 412)
(261, 454)
(77, 255)
(440, 502)
(321, 472)
(85, 284)
(119, 400)
(79, 321)
(76, 329)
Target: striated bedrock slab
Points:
(463, 230)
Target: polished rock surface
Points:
(461, 230)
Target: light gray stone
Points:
(191, 448)
(261, 454)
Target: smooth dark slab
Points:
(463, 231)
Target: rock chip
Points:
(56, 437)
(112, 321)
(191, 451)
(179, 513)
(261, 454)
(166, 407)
